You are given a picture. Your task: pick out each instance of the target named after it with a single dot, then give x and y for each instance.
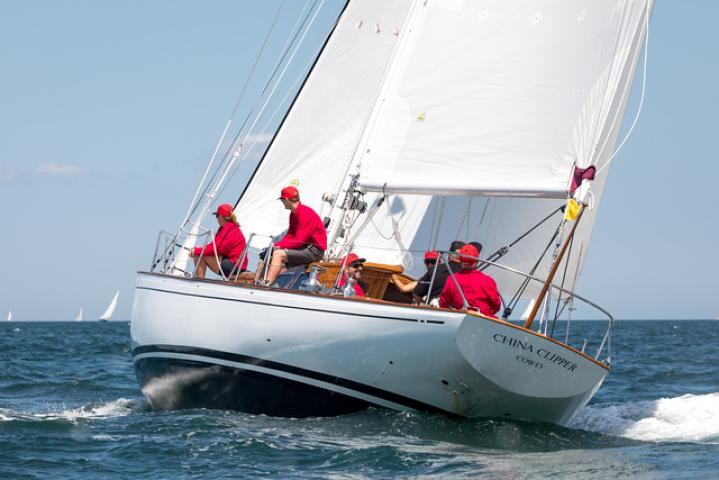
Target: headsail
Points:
(319, 138)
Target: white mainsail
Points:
(9, 315)
(78, 317)
(389, 99)
(111, 308)
(505, 104)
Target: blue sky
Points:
(109, 112)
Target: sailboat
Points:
(78, 317)
(107, 314)
(418, 123)
(9, 315)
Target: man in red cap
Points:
(227, 247)
(353, 269)
(306, 238)
(479, 289)
(420, 287)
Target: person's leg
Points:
(279, 257)
(201, 265)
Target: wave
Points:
(688, 418)
(117, 408)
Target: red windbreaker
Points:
(230, 243)
(358, 288)
(306, 228)
(479, 289)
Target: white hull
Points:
(200, 343)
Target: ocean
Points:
(70, 407)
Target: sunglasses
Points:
(356, 265)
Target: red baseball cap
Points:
(469, 251)
(224, 210)
(289, 193)
(431, 255)
(353, 258)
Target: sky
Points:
(109, 112)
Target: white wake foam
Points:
(689, 418)
(117, 408)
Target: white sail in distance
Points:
(78, 317)
(9, 315)
(107, 314)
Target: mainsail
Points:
(470, 115)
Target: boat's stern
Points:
(536, 377)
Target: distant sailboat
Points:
(110, 309)
(78, 318)
(9, 315)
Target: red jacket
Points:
(358, 288)
(230, 243)
(306, 228)
(479, 289)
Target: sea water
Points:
(70, 407)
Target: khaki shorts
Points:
(304, 256)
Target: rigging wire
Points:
(525, 283)
(641, 99)
(226, 171)
(269, 121)
(504, 250)
(557, 311)
(302, 28)
(430, 245)
(226, 162)
(193, 205)
(442, 203)
(290, 41)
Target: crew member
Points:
(306, 238)
(228, 246)
(420, 287)
(353, 269)
(479, 289)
